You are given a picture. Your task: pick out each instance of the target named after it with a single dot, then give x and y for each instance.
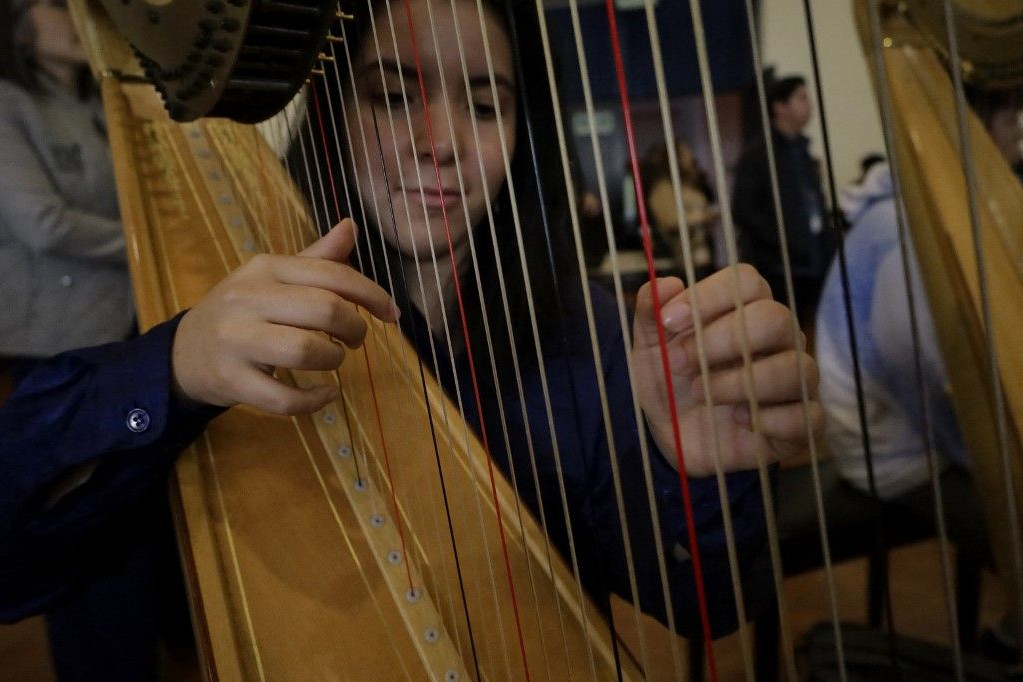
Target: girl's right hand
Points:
(277, 311)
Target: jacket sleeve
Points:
(753, 204)
(104, 418)
(35, 212)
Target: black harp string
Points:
(523, 87)
(804, 388)
(563, 340)
(707, 86)
(470, 229)
(469, 353)
(443, 312)
(429, 412)
(433, 433)
(571, 192)
(623, 318)
(354, 451)
(451, 353)
(726, 508)
(412, 593)
(503, 292)
(690, 271)
(832, 219)
(970, 173)
(359, 243)
(800, 341)
(407, 558)
(274, 130)
(905, 246)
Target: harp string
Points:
(571, 193)
(542, 368)
(392, 483)
(619, 293)
(336, 374)
(444, 317)
(436, 270)
(927, 431)
(732, 250)
(687, 256)
(851, 327)
(403, 274)
(456, 157)
(468, 344)
(344, 185)
(998, 392)
(902, 223)
(661, 335)
(503, 291)
(362, 208)
(383, 442)
(460, 589)
(690, 272)
(583, 278)
(829, 574)
(319, 175)
(558, 295)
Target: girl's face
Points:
(411, 162)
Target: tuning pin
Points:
(324, 57)
(334, 39)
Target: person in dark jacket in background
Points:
(810, 243)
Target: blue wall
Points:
(727, 39)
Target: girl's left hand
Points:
(775, 359)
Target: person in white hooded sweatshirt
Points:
(895, 415)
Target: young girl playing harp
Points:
(441, 217)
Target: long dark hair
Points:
(542, 207)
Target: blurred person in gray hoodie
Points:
(63, 271)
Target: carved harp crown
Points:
(374, 539)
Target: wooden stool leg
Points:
(696, 660)
(877, 577)
(765, 646)
(967, 600)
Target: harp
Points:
(293, 529)
(960, 203)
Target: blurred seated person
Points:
(886, 355)
(901, 471)
(810, 244)
(63, 270)
(697, 203)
